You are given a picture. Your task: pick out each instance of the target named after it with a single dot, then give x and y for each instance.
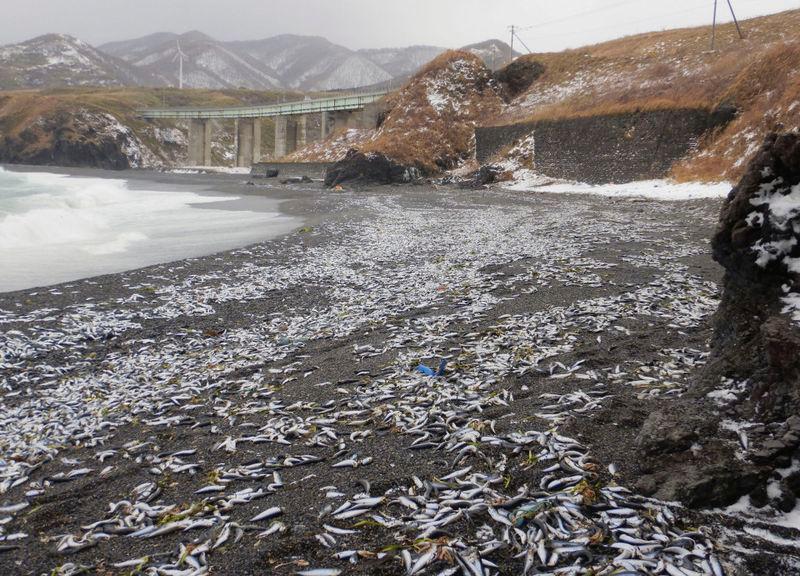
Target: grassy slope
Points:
(432, 138)
(677, 68)
(21, 109)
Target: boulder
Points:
(372, 168)
(682, 448)
(667, 432)
(485, 175)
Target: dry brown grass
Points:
(677, 69)
(415, 133)
(767, 92)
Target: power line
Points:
(616, 25)
(521, 41)
(584, 13)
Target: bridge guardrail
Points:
(349, 102)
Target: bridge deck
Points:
(344, 102)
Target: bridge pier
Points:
(199, 142)
(248, 141)
(291, 133)
(281, 134)
(324, 126)
(285, 136)
(364, 119)
(301, 138)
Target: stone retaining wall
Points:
(603, 149)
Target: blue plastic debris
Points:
(422, 369)
(425, 370)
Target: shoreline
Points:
(290, 204)
(275, 355)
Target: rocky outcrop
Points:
(758, 244)
(357, 167)
(81, 138)
(430, 123)
(518, 76)
(707, 453)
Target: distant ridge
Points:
(307, 63)
(58, 60)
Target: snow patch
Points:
(530, 181)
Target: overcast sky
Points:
(545, 24)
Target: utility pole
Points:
(735, 21)
(714, 24)
(511, 52)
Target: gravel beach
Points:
(260, 411)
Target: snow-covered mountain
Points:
(207, 63)
(312, 63)
(305, 63)
(495, 53)
(56, 60)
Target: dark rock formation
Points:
(684, 452)
(518, 76)
(357, 167)
(757, 240)
(82, 139)
(485, 175)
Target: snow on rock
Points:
(107, 126)
(61, 60)
(757, 327)
(773, 217)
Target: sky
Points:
(544, 25)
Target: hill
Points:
(758, 76)
(56, 60)
(677, 68)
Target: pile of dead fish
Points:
(515, 491)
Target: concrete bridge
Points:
(291, 124)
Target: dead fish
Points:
(268, 513)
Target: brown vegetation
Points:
(431, 120)
(677, 69)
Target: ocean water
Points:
(55, 228)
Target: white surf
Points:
(55, 228)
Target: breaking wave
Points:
(55, 227)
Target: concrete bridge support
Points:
(281, 136)
(301, 131)
(324, 125)
(364, 119)
(295, 132)
(291, 133)
(248, 141)
(200, 142)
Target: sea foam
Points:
(55, 227)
